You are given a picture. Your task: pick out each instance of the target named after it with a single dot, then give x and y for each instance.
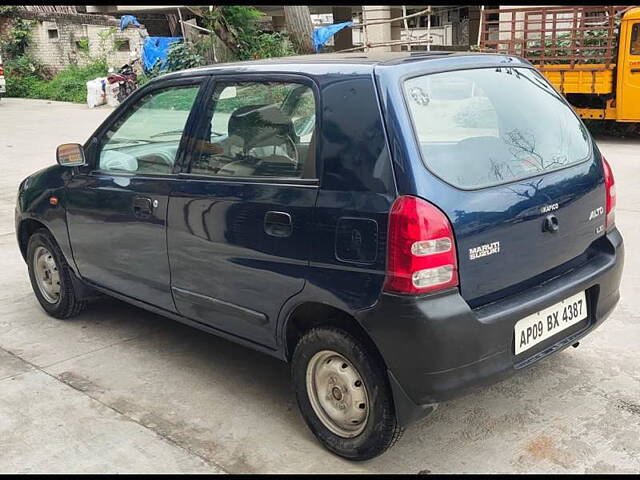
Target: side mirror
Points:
(70, 155)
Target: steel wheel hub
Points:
(46, 273)
(337, 393)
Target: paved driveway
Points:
(119, 389)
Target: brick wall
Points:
(56, 39)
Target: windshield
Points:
(483, 127)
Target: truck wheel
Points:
(50, 277)
(343, 393)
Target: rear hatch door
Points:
(516, 172)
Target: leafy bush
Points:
(250, 41)
(25, 78)
(70, 84)
(269, 45)
(183, 55)
(17, 40)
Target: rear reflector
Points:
(610, 202)
(421, 255)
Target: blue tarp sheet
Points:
(322, 34)
(155, 49)
(126, 20)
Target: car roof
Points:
(328, 63)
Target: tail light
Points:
(1, 69)
(610, 186)
(421, 255)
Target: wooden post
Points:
(181, 25)
(429, 28)
(365, 37)
(298, 21)
(344, 38)
(481, 25)
(406, 27)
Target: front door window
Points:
(146, 138)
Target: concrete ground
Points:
(118, 389)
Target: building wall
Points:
(55, 37)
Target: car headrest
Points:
(261, 125)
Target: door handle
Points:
(635, 70)
(142, 207)
(278, 224)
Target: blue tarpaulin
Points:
(322, 34)
(155, 49)
(126, 20)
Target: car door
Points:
(629, 72)
(117, 204)
(239, 219)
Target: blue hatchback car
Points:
(400, 227)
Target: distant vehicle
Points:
(126, 79)
(399, 227)
(591, 54)
(3, 85)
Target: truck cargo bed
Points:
(591, 79)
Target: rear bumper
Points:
(436, 347)
(3, 87)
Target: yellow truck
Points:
(590, 54)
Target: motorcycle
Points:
(126, 79)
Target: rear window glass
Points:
(483, 127)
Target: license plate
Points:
(544, 324)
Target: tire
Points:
(358, 434)
(66, 303)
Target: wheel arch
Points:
(26, 228)
(311, 314)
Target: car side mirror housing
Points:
(70, 155)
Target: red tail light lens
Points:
(610, 187)
(1, 69)
(421, 254)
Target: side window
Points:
(258, 129)
(146, 138)
(635, 39)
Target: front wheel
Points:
(343, 394)
(50, 277)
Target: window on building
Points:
(122, 44)
(52, 33)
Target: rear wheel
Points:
(343, 393)
(50, 277)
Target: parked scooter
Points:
(126, 79)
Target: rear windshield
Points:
(488, 126)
